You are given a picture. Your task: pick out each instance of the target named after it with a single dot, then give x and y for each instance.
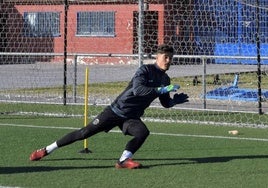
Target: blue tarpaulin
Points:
(235, 93)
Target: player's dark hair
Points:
(163, 48)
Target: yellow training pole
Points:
(86, 106)
(86, 150)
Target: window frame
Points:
(40, 26)
(104, 20)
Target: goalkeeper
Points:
(148, 83)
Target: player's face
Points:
(164, 60)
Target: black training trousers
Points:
(105, 121)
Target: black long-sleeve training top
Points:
(141, 91)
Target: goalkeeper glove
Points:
(167, 89)
(180, 98)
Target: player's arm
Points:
(178, 98)
(165, 100)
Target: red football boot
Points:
(128, 163)
(38, 154)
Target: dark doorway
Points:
(3, 30)
(150, 32)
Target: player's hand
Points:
(167, 89)
(180, 98)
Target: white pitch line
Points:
(152, 133)
(36, 126)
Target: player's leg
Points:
(69, 138)
(103, 122)
(140, 132)
(83, 133)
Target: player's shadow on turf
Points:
(182, 161)
(81, 159)
(171, 161)
(158, 161)
(32, 169)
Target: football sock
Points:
(51, 147)
(125, 155)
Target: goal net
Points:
(220, 61)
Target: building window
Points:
(42, 24)
(100, 24)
